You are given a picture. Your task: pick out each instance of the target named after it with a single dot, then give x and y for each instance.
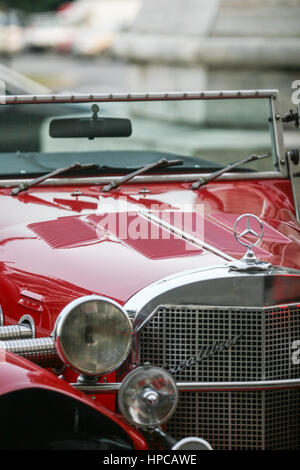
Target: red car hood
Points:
(56, 246)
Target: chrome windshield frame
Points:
(196, 95)
(272, 94)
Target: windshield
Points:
(205, 134)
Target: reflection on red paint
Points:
(281, 314)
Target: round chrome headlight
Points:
(93, 335)
(148, 396)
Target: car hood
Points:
(57, 244)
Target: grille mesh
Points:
(240, 420)
(237, 420)
(282, 328)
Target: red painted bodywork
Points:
(17, 374)
(54, 247)
(53, 251)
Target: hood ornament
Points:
(249, 262)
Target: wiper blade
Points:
(204, 180)
(162, 163)
(75, 166)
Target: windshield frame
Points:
(272, 95)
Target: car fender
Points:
(17, 373)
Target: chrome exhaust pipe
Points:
(15, 332)
(41, 351)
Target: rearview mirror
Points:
(90, 128)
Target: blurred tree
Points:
(30, 6)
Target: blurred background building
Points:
(215, 44)
(153, 45)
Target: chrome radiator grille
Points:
(240, 420)
(237, 420)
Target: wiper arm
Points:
(162, 163)
(204, 180)
(60, 171)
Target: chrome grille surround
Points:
(229, 419)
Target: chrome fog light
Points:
(148, 396)
(93, 335)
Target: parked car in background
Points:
(106, 19)
(149, 272)
(45, 31)
(85, 27)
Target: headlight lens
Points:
(148, 396)
(93, 335)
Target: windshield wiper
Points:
(75, 166)
(162, 163)
(206, 179)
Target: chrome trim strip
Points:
(180, 178)
(78, 98)
(182, 234)
(200, 386)
(251, 385)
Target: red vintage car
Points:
(149, 272)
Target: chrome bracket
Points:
(249, 263)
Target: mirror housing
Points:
(90, 128)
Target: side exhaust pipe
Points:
(15, 332)
(41, 351)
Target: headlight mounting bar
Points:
(201, 386)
